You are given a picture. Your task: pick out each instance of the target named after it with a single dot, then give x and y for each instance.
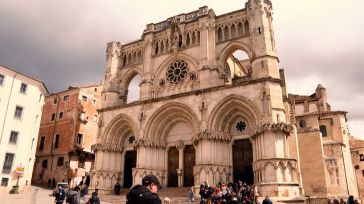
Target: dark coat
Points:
(267, 201)
(142, 195)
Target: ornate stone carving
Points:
(147, 143)
(180, 144)
(107, 147)
(274, 127)
(219, 136)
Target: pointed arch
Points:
(118, 129)
(165, 117)
(228, 109)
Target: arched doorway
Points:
(172, 167)
(130, 163)
(188, 163)
(242, 161)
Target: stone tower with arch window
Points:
(210, 109)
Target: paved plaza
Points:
(40, 195)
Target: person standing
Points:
(145, 193)
(117, 188)
(60, 195)
(267, 200)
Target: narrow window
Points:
(53, 116)
(362, 171)
(8, 163)
(40, 97)
(31, 147)
(4, 181)
(61, 115)
(45, 164)
(41, 144)
(66, 97)
(94, 101)
(361, 156)
(79, 138)
(259, 31)
(84, 98)
(323, 130)
(18, 112)
(55, 100)
(2, 79)
(13, 137)
(60, 161)
(81, 163)
(56, 141)
(23, 88)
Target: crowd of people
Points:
(73, 195)
(230, 193)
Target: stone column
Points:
(181, 147)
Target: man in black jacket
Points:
(145, 193)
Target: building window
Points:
(79, 138)
(18, 112)
(94, 101)
(31, 147)
(95, 118)
(81, 162)
(84, 98)
(2, 79)
(53, 116)
(61, 115)
(66, 97)
(4, 181)
(362, 171)
(361, 156)
(302, 124)
(177, 72)
(8, 163)
(240, 126)
(56, 141)
(60, 161)
(41, 144)
(323, 130)
(13, 137)
(45, 164)
(23, 88)
(55, 100)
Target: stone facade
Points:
(68, 129)
(206, 114)
(21, 102)
(323, 142)
(357, 155)
(203, 113)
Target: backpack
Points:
(71, 198)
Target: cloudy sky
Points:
(63, 42)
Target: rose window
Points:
(177, 72)
(240, 126)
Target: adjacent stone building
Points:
(68, 129)
(357, 155)
(323, 143)
(213, 108)
(21, 102)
